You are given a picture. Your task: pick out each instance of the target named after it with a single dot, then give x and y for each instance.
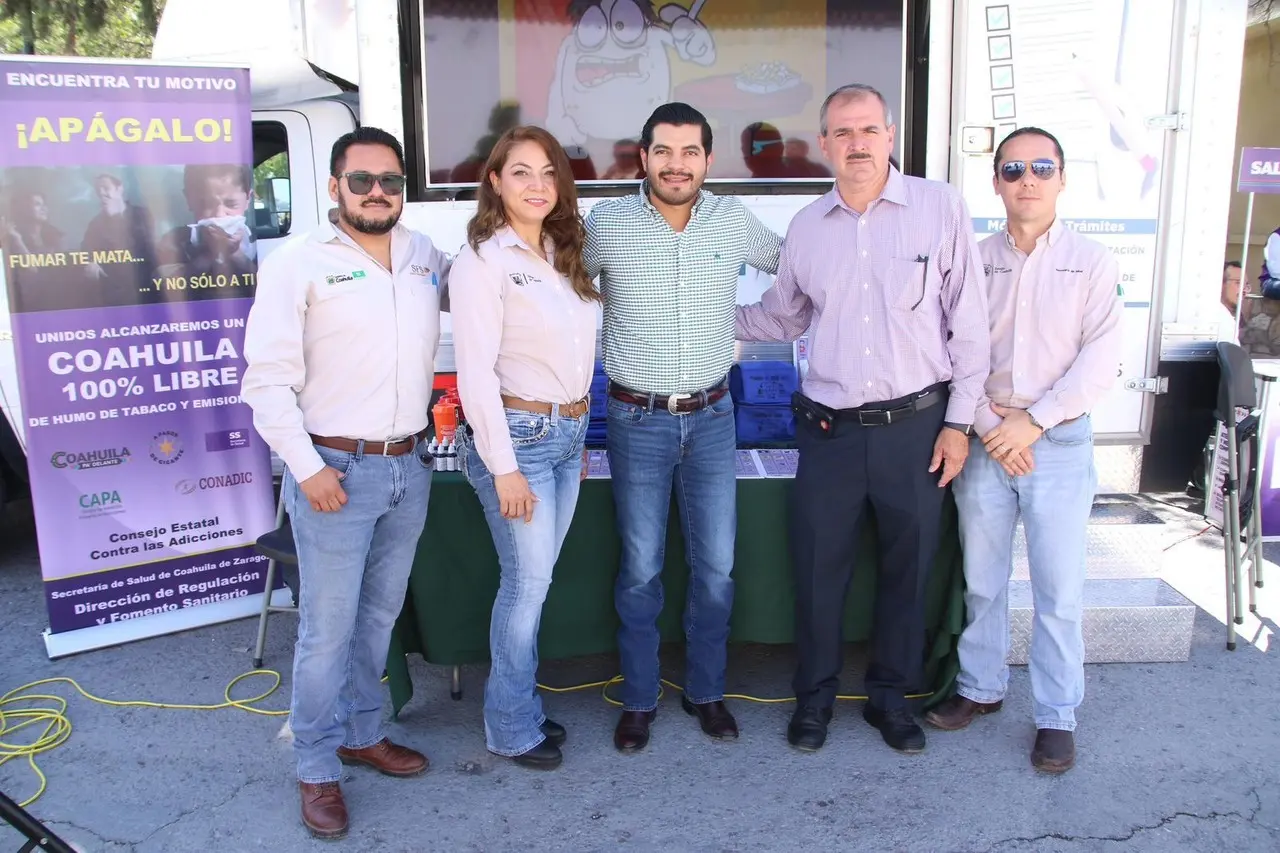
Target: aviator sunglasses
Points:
(361, 183)
(1013, 170)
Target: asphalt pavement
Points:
(1171, 757)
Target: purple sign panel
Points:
(1259, 171)
(130, 264)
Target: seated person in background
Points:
(626, 162)
(1234, 285)
(220, 241)
(1270, 278)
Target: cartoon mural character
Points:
(613, 69)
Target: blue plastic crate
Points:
(763, 383)
(599, 399)
(764, 423)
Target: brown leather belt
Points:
(567, 410)
(676, 404)
(399, 447)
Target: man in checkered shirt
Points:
(668, 258)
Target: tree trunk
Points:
(69, 43)
(28, 14)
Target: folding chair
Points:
(277, 546)
(39, 836)
(1239, 411)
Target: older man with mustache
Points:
(668, 258)
(884, 272)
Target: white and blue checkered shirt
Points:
(669, 296)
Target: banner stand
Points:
(130, 257)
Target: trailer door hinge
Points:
(1170, 121)
(1152, 385)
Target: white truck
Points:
(1142, 93)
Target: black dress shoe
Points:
(632, 733)
(807, 730)
(554, 732)
(714, 718)
(544, 756)
(898, 728)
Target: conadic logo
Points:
(90, 459)
(218, 481)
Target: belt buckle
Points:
(673, 400)
(387, 445)
(884, 417)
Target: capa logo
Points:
(90, 459)
(96, 504)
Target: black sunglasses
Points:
(361, 183)
(1013, 170)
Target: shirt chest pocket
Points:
(342, 297)
(912, 284)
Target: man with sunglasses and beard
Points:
(883, 272)
(1055, 317)
(668, 258)
(340, 345)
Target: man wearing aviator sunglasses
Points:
(1052, 298)
(340, 346)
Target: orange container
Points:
(445, 416)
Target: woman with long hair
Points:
(524, 318)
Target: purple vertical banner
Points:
(127, 220)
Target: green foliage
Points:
(108, 28)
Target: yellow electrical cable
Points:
(57, 725)
(617, 679)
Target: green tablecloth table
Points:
(455, 580)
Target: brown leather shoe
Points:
(387, 758)
(324, 811)
(958, 712)
(632, 733)
(1054, 752)
(714, 718)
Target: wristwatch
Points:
(967, 429)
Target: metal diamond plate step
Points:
(1126, 620)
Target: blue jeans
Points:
(1054, 501)
(648, 449)
(353, 566)
(549, 455)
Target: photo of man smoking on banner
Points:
(93, 237)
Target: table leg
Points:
(455, 685)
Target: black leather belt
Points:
(676, 404)
(891, 411)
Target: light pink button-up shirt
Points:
(518, 329)
(1055, 326)
(894, 296)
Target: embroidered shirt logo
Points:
(341, 277)
(988, 269)
(520, 279)
(422, 270)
